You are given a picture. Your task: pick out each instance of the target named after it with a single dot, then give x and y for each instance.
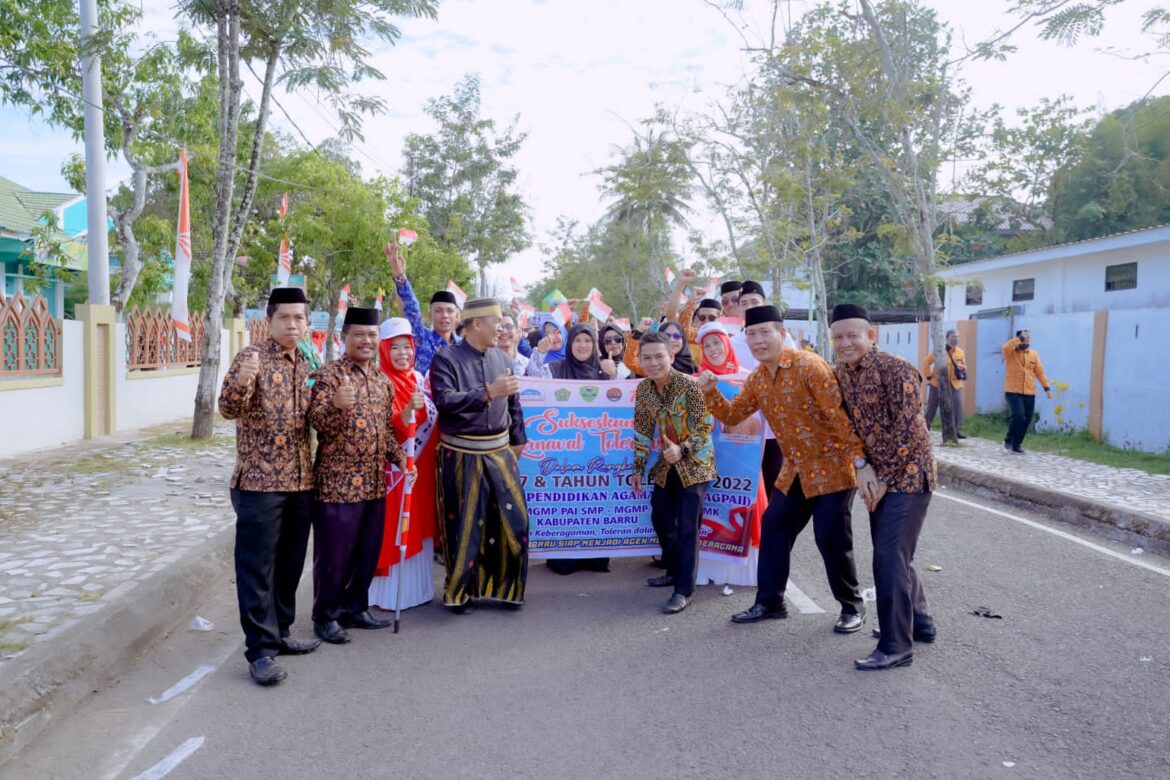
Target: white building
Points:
(1122, 271)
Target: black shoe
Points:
(463, 609)
(597, 564)
(266, 671)
(331, 632)
(365, 620)
(290, 646)
(678, 602)
(849, 622)
(1018, 450)
(758, 612)
(961, 435)
(665, 581)
(515, 606)
(877, 660)
(563, 566)
(1007, 445)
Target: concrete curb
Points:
(1137, 529)
(83, 656)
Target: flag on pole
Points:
(378, 300)
(406, 236)
(517, 288)
(553, 299)
(623, 323)
(669, 274)
(526, 312)
(343, 302)
(460, 296)
(594, 294)
(179, 313)
(599, 310)
(284, 267)
(282, 212)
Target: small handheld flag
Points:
(460, 296)
(406, 236)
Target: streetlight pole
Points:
(95, 158)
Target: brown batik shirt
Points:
(883, 401)
(353, 444)
(680, 417)
(272, 426)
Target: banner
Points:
(578, 463)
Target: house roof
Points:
(21, 209)
(961, 209)
(1089, 246)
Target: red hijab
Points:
(404, 380)
(731, 364)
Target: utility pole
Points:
(95, 158)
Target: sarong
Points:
(484, 524)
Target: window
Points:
(1023, 289)
(974, 295)
(1121, 277)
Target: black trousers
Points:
(1021, 407)
(272, 535)
(771, 465)
(933, 403)
(784, 519)
(676, 513)
(901, 603)
(347, 539)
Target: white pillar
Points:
(95, 162)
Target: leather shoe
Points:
(290, 646)
(849, 622)
(877, 660)
(463, 609)
(677, 603)
(665, 581)
(331, 632)
(960, 435)
(266, 672)
(365, 620)
(758, 612)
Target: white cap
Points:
(711, 327)
(395, 326)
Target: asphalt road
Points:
(591, 680)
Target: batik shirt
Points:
(354, 444)
(883, 399)
(272, 426)
(680, 417)
(459, 380)
(426, 340)
(802, 404)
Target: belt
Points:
(490, 443)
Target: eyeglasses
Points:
(729, 299)
(507, 326)
(707, 317)
(612, 340)
(676, 336)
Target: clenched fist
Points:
(346, 396)
(249, 370)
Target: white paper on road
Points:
(176, 757)
(184, 684)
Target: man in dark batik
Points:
(881, 396)
(484, 516)
(351, 409)
(266, 392)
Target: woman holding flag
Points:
(414, 417)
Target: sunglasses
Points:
(729, 299)
(707, 317)
(676, 336)
(612, 340)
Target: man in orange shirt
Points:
(823, 465)
(1024, 370)
(957, 372)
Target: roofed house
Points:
(22, 211)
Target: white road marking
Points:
(176, 757)
(802, 602)
(184, 684)
(1062, 534)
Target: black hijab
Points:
(571, 367)
(683, 362)
(601, 341)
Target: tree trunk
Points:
(227, 23)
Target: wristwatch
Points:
(685, 450)
(859, 463)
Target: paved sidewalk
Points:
(81, 526)
(1130, 489)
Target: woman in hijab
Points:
(613, 346)
(681, 354)
(549, 349)
(718, 355)
(396, 355)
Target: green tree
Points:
(463, 177)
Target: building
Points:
(22, 211)
(1123, 271)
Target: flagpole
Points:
(404, 518)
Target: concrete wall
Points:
(33, 418)
(904, 340)
(1137, 380)
(1064, 343)
(148, 398)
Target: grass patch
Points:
(1077, 445)
(96, 464)
(7, 623)
(183, 439)
(7, 648)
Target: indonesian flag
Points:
(669, 274)
(284, 269)
(599, 310)
(563, 314)
(378, 300)
(623, 323)
(179, 313)
(460, 296)
(343, 301)
(406, 237)
(709, 290)
(517, 288)
(594, 294)
(526, 311)
(282, 212)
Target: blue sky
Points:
(580, 74)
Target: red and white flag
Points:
(562, 314)
(282, 212)
(517, 288)
(179, 314)
(526, 312)
(343, 301)
(284, 267)
(709, 290)
(460, 296)
(669, 274)
(599, 310)
(623, 323)
(594, 294)
(378, 300)
(406, 237)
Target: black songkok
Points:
(356, 316)
(848, 311)
(443, 296)
(710, 303)
(752, 288)
(758, 315)
(280, 295)
(729, 287)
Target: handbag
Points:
(960, 372)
